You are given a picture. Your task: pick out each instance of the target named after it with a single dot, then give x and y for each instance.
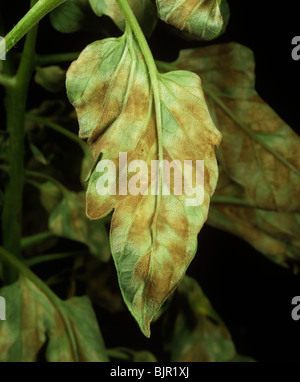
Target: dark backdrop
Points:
(251, 294)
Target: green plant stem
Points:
(48, 59)
(231, 200)
(51, 257)
(132, 22)
(31, 241)
(39, 10)
(7, 64)
(59, 129)
(6, 80)
(40, 175)
(21, 268)
(49, 178)
(16, 98)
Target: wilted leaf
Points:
(198, 19)
(34, 321)
(144, 11)
(153, 239)
(275, 234)
(196, 333)
(258, 151)
(68, 220)
(51, 78)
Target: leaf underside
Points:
(33, 322)
(259, 154)
(144, 11)
(270, 177)
(274, 234)
(197, 334)
(153, 238)
(196, 19)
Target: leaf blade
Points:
(144, 11)
(258, 150)
(118, 113)
(199, 20)
(33, 320)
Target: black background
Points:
(251, 294)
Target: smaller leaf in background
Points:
(196, 333)
(132, 355)
(38, 155)
(51, 78)
(50, 196)
(259, 151)
(197, 19)
(274, 234)
(72, 16)
(34, 321)
(52, 115)
(144, 11)
(69, 220)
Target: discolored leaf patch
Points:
(197, 19)
(51, 78)
(153, 237)
(34, 322)
(275, 234)
(259, 151)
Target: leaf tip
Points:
(145, 327)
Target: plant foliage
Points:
(203, 106)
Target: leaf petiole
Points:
(32, 17)
(132, 22)
(7, 81)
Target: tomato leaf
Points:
(51, 78)
(133, 356)
(259, 151)
(72, 16)
(50, 196)
(194, 332)
(38, 155)
(144, 11)
(33, 321)
(153, 237)
(197, 19)
(274, 234)
(68, 220)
